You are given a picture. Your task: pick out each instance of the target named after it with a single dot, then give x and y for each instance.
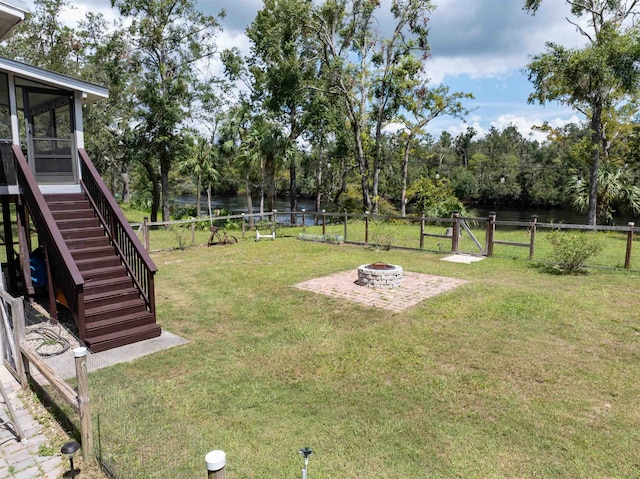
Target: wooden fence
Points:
(455, 226)
(25, 358)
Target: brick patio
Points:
(415, 288)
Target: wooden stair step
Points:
(94, 286)
(76, 233)
(112, 310)
(68, 205)
(122, 338)
(81, 243)
(64, 197)
(104, 273)
(92, 252)
(97, 262)
(101, 298)
(73, 214)
(119, 323)
(78, 223)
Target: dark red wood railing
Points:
(66, 274)
(134, 257)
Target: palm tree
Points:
(200, 163)
(616, 190)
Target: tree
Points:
(370, 74)
(424, 104)
(44, 41)
(200, 163)
(282, 71)
(170, 40)
(594, 78)
(616, 190)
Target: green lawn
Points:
(517, 374)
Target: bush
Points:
(571, 250)
(327, 238)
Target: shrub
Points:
(571, 250)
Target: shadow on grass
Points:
(554, 269)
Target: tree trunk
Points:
(363, 167)
(155, 189)
(198, 193)
(209, 204)
(249, 201)
(319, 187)
(596, 138)
(405, 174)
(164, 182)
(126, 187)
(293, 191)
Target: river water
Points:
(238, 204)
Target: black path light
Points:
(306, 452)
(69, 449)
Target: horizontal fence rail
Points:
(481, 235)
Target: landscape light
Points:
(437, 175)
(502, 178)
(69, 449)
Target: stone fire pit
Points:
(380, 276)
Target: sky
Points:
(477, 46)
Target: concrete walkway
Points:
(23, 460)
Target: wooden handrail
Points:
(67, 273)
(116, 209)
(121, 254)
(134, 257)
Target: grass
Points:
(518, 373)
(406, 234)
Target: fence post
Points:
(534, 221)
(145, 232)
(216, 461)
(422, 231)
(243, 226)
(366, 227)
(455, 239)
(80, 355)
(193, 232)
(324, 222)
(274, 223)
(346, 219)
(627, 258)
(20, 336)
(303, 222)
(491, 228)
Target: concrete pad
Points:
(64, 364)
(463, 258)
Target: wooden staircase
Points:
(115, 314)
